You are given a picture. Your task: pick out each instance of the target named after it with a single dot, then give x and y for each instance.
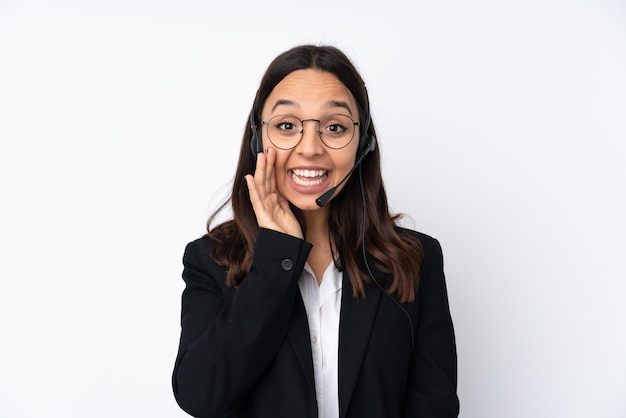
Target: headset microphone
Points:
(323, 199)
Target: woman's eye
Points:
(336, 128)
(286, 126)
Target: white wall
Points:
(502, 127)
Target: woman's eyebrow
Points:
(285, 102)
(329, 104)
(339, 103)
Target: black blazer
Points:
(246, 352)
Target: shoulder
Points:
(431, 263)
(202, 243)
(198, 262)
(429, 244)
(199, 249)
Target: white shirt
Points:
(323, 305)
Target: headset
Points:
(256, 145)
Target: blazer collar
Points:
(300, 339)
(355, 325)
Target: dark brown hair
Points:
(390, 249)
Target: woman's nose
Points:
(311, 142)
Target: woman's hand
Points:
(271, 208)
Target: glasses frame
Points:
(320, 134)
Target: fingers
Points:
(255, 200)
(260, 174)
(270, 174)
(254, 195)
(265, 175)
(259, 203)
(262, 187)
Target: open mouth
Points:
(305, 178)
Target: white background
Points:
(503, 131)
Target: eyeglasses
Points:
(285, 131)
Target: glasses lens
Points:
(284, 131)
(337, 130)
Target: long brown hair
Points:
(391, 250)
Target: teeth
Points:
(308, 177)
(308, 173)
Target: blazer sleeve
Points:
(228, 340)
(432, 382)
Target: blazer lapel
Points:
(300, 339)
(357, 319)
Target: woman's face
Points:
(305, 172)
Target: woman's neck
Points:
(317, 234)
(316, 225)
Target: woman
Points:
(311, 301)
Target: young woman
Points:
(311, 301)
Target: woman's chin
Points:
(305, 203)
